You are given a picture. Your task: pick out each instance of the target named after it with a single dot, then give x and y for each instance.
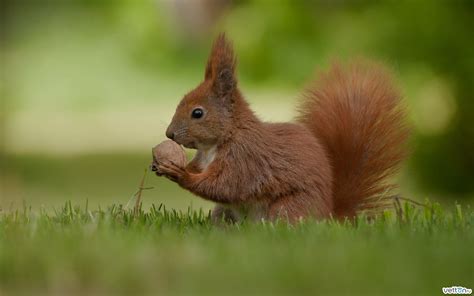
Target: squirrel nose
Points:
(170, 135)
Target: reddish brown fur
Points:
(356, 113)
(335, 158)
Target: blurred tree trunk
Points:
(197, 18)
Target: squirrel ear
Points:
(221, 66)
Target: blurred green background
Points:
(88, 87)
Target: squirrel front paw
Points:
(170, 171)
(154, 168)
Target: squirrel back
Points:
(356, 113)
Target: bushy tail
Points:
(357, 114)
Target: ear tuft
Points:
(225, 82)
(221, 65)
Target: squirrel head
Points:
(205, 115)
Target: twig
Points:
(398, 208)
(412, 201)
(136, 209)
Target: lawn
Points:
(77, 250)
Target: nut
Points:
(169, 151)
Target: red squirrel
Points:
(334, 160)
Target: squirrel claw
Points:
(154, 168)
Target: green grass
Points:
(75, 250)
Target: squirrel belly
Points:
(348, 140)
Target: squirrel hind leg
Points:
(223, 215)
(296, 207)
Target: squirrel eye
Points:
(197, 113)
